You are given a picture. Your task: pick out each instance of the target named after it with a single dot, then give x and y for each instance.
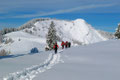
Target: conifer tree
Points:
(117, 33)
(51, 36)
(1, 38)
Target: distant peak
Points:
(79, 20)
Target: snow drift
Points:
(98, 61)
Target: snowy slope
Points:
(18, 63)
(107, 34)
(93, 62)
(99, 61)
(77, 31)
(26, 43)
(31, 72)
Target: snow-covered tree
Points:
(51, 36)
(31, 23)
(8, 30)
(1, 37)
(117, 33)
(4, 52)
(8, 40)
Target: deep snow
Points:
(99, 61)
(19, 63)
(30, 73)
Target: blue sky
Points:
(101, 14)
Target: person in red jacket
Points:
(66, 44)
(62, 44)
(55, 47)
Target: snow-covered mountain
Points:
(77, 31)
(98, 61)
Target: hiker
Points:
(62, 44)
(69, 44)
(55, 47)
(66, 44)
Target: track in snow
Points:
(30, 73)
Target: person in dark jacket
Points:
(69, 44)
(55, 48)
(62, 44)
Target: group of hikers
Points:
(63, 44)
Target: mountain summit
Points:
(77, 31)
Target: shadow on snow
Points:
(18, 55)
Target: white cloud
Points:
(84, 7)
(64, 11)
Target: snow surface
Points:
(26, 43)
(30, 73)
(18, 63)
(99, 61)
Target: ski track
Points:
(30, 73)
